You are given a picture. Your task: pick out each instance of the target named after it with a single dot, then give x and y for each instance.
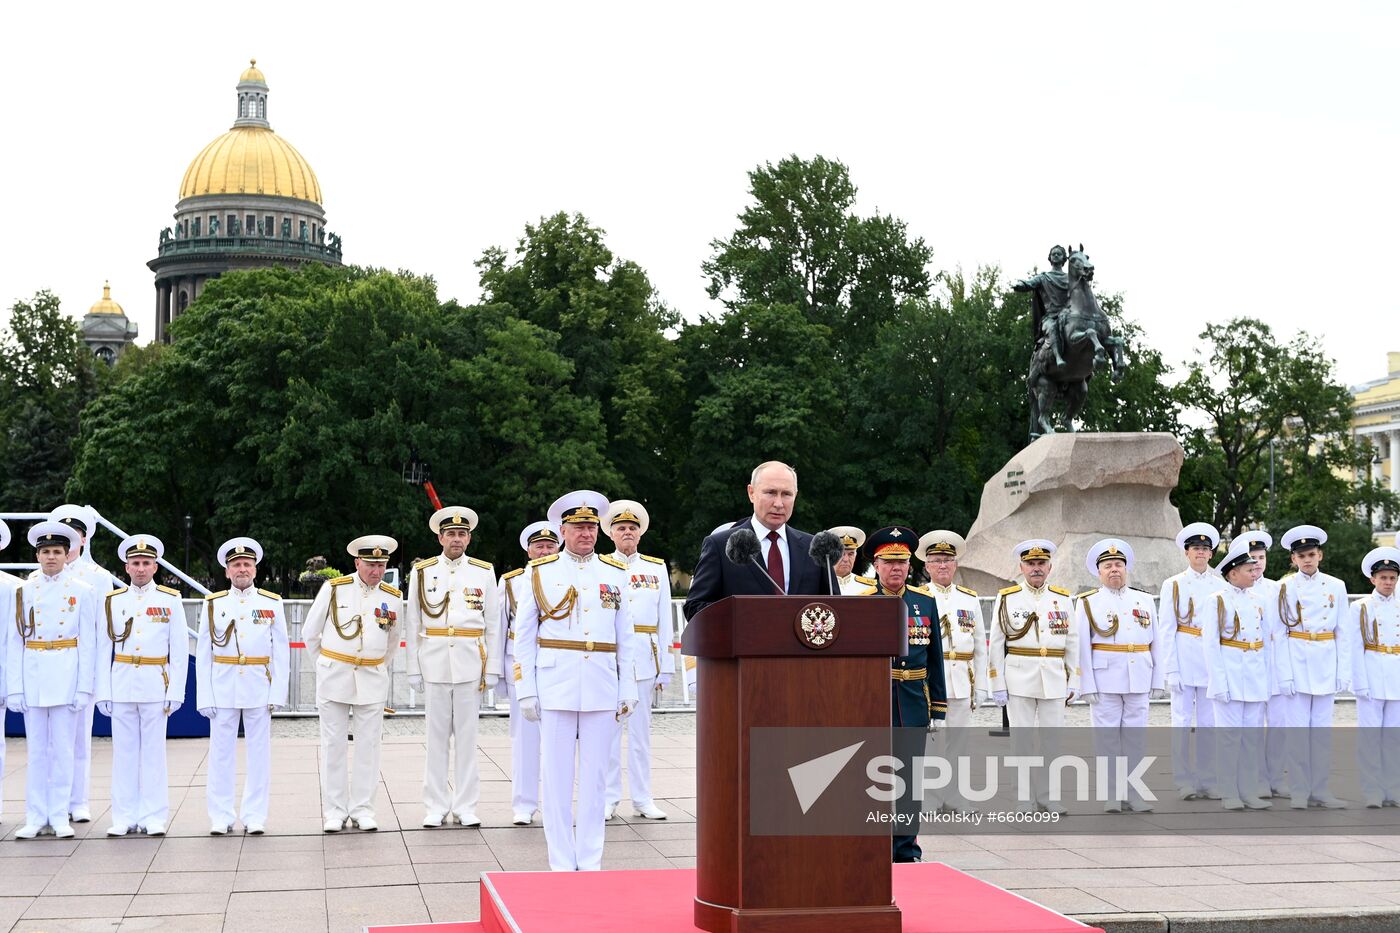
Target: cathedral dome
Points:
(251, 160)
(106, 305)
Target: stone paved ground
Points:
(297, 879)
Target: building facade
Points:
(248, 200)
(1376, 421)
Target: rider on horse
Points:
(1049, 295)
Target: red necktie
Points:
(775, 561)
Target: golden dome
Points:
(251, 160)
(106, 305)
(251, 73)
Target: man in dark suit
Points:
(783, 550)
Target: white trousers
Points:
(140, 785)
(638, 729)
(591, 734)
(1378, 748)
(452, 714)
(48, 782)
(524, 755)
(950, 743)
(1239, 727)
(223, 747)
(1308, 717)
(1193, 744)
(1033, 725)
(82, 758)
(1275, 754)
(355, 799)
(1120, 731)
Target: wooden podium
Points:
(760, 665)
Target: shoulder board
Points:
(217, 595)
(167, 589)
(866, 580)
(968, 590)
(612, 561)
(481, 563)
(652, 560)
(341, 581)
(1087, 593)
(425, 562)
(391, 590)
(543, 560)
(123, 590)
(513, 573)
(922, 590)
(1009, 590)
(1061, 590)
(269, 594)
(1138, 589)
(1288, 576)
(870, 592)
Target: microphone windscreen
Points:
(826, 548)
(742, 547)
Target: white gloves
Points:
(415, 682)
(1091, 698)
(172, 707)
(1343, 686)
(1173, 683)
(104, 707)
(1223, 696)
(1362, 693)
(80, 702)
(1287, 689)
(492, 680)
(663, 680)
(207, 712)
(15, 703)
(624, 709)
(1157, 693)
(530, 708)
(999, 698)
(933, 725)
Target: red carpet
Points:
(933, 897)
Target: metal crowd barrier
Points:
(301, 695)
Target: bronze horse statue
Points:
(1089, 346)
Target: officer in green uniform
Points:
(918, 697)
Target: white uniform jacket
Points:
(1185, 598)
(1034, 650)
(454, 621)
(1375, 662)
(508, 598)
(964, 640)
(52, 611)
(1314, 644)
(353, 631)
(1121, 644)
(649, 600)
(854, 585)
(145, 646)
(566, 606)
(1236, 646)
(248, 625)
(1266, 592)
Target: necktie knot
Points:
(772, 536)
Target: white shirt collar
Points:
(762, 532)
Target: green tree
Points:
(762, 387)
(562, 279)
(1268, 410)
(289, 401)
(47, 376)
(800, 243)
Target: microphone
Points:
(826, 550)
(743, 547)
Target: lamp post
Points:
(189, 527)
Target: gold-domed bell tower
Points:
(248, 200)
(106, 329)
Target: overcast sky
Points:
(1215, 159)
